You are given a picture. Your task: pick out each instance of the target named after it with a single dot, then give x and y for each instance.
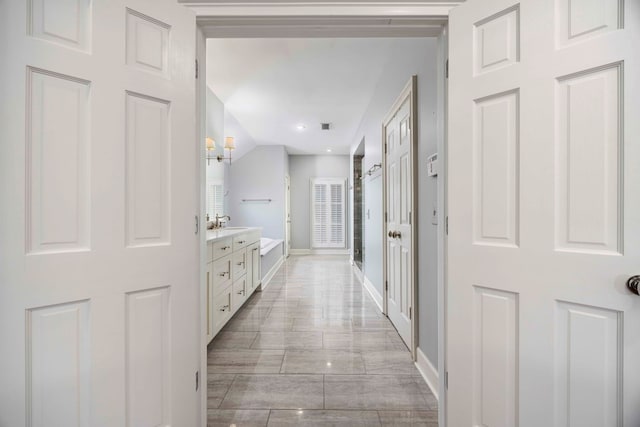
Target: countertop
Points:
(221, 233)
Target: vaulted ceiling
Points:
(278, 91)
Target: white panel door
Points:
(398, 136)
(98, 255)
(544, 209)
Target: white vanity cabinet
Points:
(233, 274)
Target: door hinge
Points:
(197, 380)
(409, 218)
(446, 380)
(385, 148)
(410, 312)
(446, 226)
(386, 285)
(446, 69)
(197, 69)
(386, 217)
(197, 224)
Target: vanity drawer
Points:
(222, 247)
(239, 264)
(222, 309)
(239, 295)
(240, 241)
(221, 272)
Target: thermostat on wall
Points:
(432, 165)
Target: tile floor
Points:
(313, 349)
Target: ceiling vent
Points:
(325, 126)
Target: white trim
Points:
(352, 8)
(320, 252)
(267, 278)
(428, 372)
(369, 287)
(442, 82)
(377, 298)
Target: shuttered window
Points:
(215, 203)
(328, 213)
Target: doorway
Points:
(287, 211)
(358, 203)
(378, 227)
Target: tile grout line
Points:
(324, 394)
(227, 392)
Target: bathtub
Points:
(271, 258)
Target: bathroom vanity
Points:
(233, 273)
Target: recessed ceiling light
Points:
(328, 150)
(301, 127)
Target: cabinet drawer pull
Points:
(242, 242)
(225, 273)
(255, 249)
(224, 248)
(241, 293)
(224, 308)
(240, 263)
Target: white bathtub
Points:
(271, 258)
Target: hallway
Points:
(314, 349)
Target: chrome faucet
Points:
(217, 223)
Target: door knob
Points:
(397, 234)
(634, 284)
(391, 234)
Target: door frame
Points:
(390, 18)
(409, 91)
(287, 215)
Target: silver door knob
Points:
(634, 284)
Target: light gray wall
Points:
(258, 174)
(409, 56)
(215, 130)
(301, 170)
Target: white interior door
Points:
(99, 260)
(544, 213)
(398, 136)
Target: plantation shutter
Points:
(328, 229)
(214, 200)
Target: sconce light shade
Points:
(229, 143)
(211, 144)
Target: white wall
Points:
(259, 174)
(409, 56)
(301, 170)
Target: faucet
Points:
(217, 223)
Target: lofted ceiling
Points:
(271, 87)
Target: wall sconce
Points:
(210, 145)
(229, 144)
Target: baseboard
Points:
(320, 252)
(428, 372)
(377, 298)
(299, 251)
(267, 278)
(366, 283)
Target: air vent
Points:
(325, 126)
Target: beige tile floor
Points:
(313, 349)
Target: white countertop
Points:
(221, 233)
